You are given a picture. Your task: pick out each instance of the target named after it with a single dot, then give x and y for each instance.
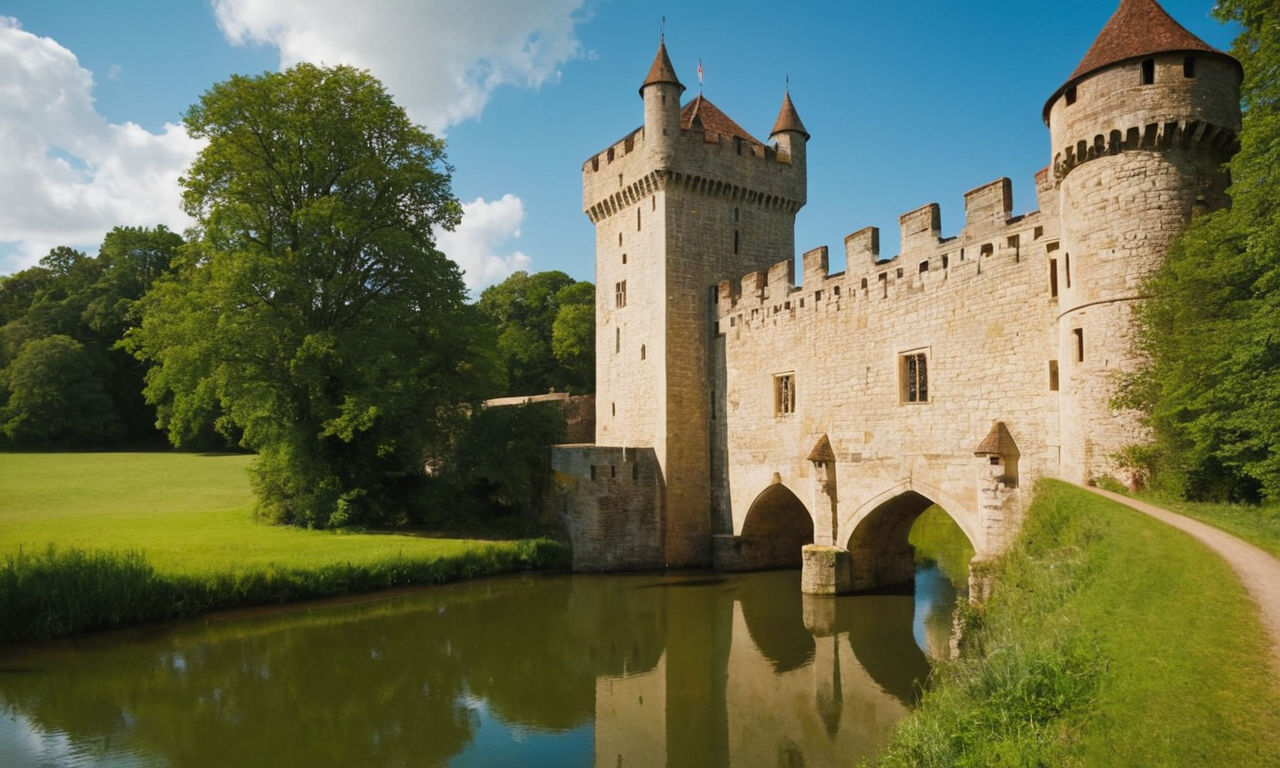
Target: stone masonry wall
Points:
(979, 306)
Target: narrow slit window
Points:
(784, 394)
(1078, 333)
(637, 219)
(913, 377)
(1053, 375)
(735, 241)
(1066, 268)
(642, 352)
(1053, 277)
(617, 340)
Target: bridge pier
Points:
(826, 570)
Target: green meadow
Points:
(102, 539)
(1110, 639)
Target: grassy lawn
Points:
(189, 517)
(188, 513)
(1111, 639)
(1260, 526)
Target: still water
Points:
(632, 670)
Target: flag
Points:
(699, 71)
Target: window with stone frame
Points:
(784, 394)
(913, 376)
(620, 294)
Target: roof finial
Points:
(662, 30)
(787, 89)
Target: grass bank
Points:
(89, 541)
(1111, 639)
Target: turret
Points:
(790, 137)
(661, 93)
(1139, 133)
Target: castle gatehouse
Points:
(747, 419)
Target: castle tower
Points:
(679, 204)
(1139, 134)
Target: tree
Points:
(525, 309)
(313, 312)
(56, 396)
(1212, 331)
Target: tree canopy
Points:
(546, 332)
(312, 314)
(1212, 331)
(89, 301)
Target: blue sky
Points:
(907, 103)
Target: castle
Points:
(746, 419)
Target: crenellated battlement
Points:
(1156, 136)
(992, 243)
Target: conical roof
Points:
(997, 442)
(712, 119)
(788, 119)
(661, 71)
(1138, 28)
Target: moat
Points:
(620, 670)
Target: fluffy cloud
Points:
(441, 59)
(68, 175)
(475, 244)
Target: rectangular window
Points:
(1079, 334)
(1053, 375)
(1189, 66)
(620, 294)
(913, 377)
(1071, 95)
(1053, 277)
(1148, 71)
(784, 394)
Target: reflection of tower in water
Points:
(780, 679)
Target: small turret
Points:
(789, 135)
(661, 93)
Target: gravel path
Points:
(1257, 569)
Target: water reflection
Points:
(572, 670)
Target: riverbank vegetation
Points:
(89, 541)
(1110, 639)
(935, 537)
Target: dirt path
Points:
(1257, 569)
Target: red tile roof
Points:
(788, 118)
(661, 71)
(1138, 28)
(712, 119)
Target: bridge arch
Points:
(776, 528)
(876, 532)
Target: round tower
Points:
(1139, 134)
(661, 91)
(791, 139)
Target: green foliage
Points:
(1109, 639)
(90, 301)
(1212, 331)
(313, 315)
(56, 396)
(502, 461)
(65, 591)
(546, 332)
(935, 537)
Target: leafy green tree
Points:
(1212, 332)
(56, 396)
(526, 309)
(313, 311)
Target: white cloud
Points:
(68, 175)
(476, 244)
(441, 59)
